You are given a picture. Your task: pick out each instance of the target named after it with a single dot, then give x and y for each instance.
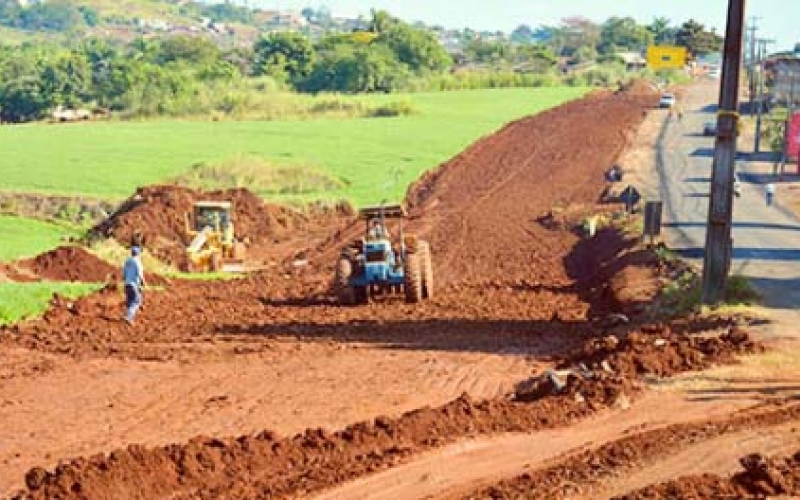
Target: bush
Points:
(401, 108)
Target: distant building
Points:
(281, 19)
(787, 81)
(709, 61)
(153, 24)
(633, 60)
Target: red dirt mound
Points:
(762, 477)
(658, 351)
(577, 475)
(67, 263)
(480, 210)
(156, 214)
(264, 466)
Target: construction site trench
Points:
(249, 388)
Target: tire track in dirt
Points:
(265, 465)
(464, 466)
(91, 407)
(718, 455)
(588, 473)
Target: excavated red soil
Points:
(576, 475)
(480, 210)
(69, 263)
(510, 281)
(762, 477)
(156, 215)
(266, 466)
(66, 263)
(509, 275)
(656, 350)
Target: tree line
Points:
(162, 76)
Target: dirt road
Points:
(467, 466)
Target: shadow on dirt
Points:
(595, 262)
(541, 339)
(781, 391)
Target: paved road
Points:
(766, 239)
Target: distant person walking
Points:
(133, 276)
(770, 193)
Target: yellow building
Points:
(666, 57)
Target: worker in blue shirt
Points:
(133, 276)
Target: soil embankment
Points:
(512, 282)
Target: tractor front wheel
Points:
(413, 278)
(344, 292)
(427, 269)
(361, 294)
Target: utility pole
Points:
(753, 28)
(762, 54)
(789, 113)
(719, 246)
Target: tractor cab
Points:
(213, 214)
(380, 263)
(213, 245)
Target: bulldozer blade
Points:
(233, 267)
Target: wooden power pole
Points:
(719, 246)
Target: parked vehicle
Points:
(710, 128)
(667, 101)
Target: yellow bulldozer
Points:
(213, 245)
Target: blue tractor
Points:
(378, 265)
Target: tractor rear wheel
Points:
(361, 294)
(344, 292)
(427, 269)
(413, 278)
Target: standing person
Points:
(133, 276)
(770, 192)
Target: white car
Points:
(667, 101)
(715, 73)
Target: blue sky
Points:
(780, 19)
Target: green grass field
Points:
(375, 157)
(23, 237)
(20, 301)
